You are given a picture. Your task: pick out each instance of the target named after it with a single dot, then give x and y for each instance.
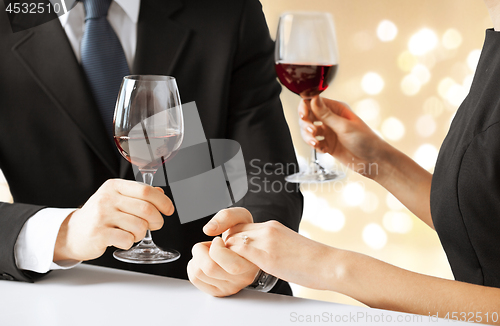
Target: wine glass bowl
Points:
(306, 61)
(305, 80)
(148, 130)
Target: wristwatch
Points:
(263, 282)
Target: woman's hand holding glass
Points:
(331, 127)
(351, 141)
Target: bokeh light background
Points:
(405, 66)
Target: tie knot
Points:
(96, 8)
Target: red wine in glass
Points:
(305, 80)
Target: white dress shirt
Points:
(34, 248)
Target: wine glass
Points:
(148, 130)
(306, 60)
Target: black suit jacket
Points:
(54, 150)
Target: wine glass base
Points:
(146, 255)
(320, 176)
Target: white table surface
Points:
(90, 295)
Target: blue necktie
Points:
(103, 59)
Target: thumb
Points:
(226, 219)
(160, 189)
(329, 112)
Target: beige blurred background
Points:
(405, 66)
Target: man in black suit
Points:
(55, 152)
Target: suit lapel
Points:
(47, 55)
(160, 40)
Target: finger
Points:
(248, 250)
(320, 148)
(194, 278)
(240, 229)
(143, 191)
(303, 110)
(309, 128)
(119, 238)
(130, 223)
(240, 236)
(227, 218)
(142, 209)
(206, 264)
(310, 140)
(329, 114)
(228, 260)
(219, 288)
(312, 134)
(160, 189)
(339, 108)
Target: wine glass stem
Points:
(147, 178)
(314, 166)
(314, 155)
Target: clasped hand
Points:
(214, 268)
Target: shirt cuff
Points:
(34, 248)
(64, 264)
